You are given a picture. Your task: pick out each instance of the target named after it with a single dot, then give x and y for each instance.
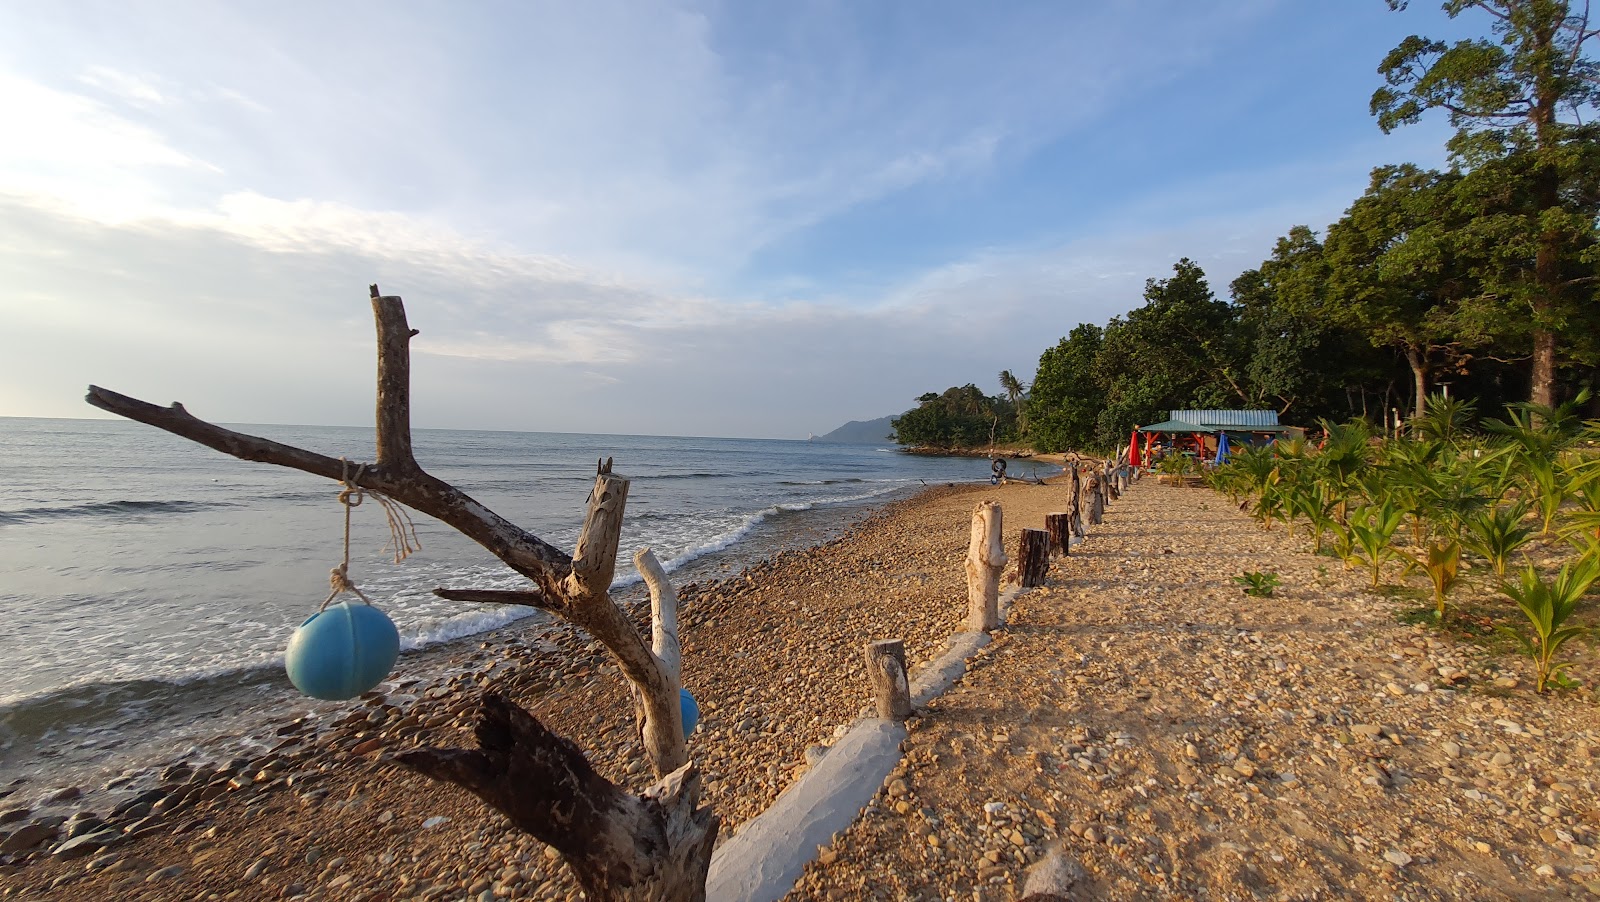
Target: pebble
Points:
(1397, 858)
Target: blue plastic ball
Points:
(341, 652)
(691, 712)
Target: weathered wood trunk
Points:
(619, 846)
(1077, 487)
(1059, 526)
(986, 558)
(1077, 524)
(1033, 557)
(886, 668)
(1097, 500)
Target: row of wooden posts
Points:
(986, 559)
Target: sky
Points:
(696, 218)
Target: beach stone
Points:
(29, 837)
(85, 845)
(1397, 858)
(1451, 749)
(1368, 730)
(166, 873)
(1501, 759)
(64, 795)
(256, 869)
(12, 815)
(81, 825)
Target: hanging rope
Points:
(402, 532)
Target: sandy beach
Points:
(1175, 737)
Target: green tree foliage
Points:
(962, 417)
(1297, 357)
(1181, 349)
(1395, 277)
(1522, 105)
(1066, 399)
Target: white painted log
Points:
(986, 558)
(669, 657)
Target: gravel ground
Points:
(1174, 738)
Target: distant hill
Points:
(869, 432)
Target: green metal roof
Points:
(1176, 426)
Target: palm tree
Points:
(1017, 393)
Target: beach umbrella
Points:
(1133, 450)
(1222, 447)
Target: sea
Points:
(149, 586)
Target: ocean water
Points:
(149, 585)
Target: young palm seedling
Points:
(1372, 529)
(1442, 563)
(1547, 607)
(1257, 584)
(1496, 534)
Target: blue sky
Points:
(748, 219)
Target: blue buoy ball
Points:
(691, 712)
(342, 651)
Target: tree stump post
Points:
(886, 668)
(1077, 524)
(1059, 526)
(1033, 557)
(1097, 500)
(986, 558)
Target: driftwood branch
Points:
(619, 846)
(532, 599)
(520, 764)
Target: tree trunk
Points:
(1097, 500)
(1417, 359)
(1033, 557)
(986, 558)
(886, 668)
(620, 847)
(1059, 526)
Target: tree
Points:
(961, 417)
(1292, 348)
(1395, 274)
(1017, 394)
(1519, 106)
(1066, 398)
(1181, 349)
(656, 846)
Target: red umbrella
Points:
(1133, 450)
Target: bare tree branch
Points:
(533, 599)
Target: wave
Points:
(120, 703)
(726, 540)
(823, 481)
(112, 509)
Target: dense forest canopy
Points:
(1482, 278)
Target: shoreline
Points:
(782, 614)
(120, 760)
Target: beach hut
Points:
(1198, 432)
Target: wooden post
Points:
(1097, 500)
(1059, 526)
(1077, 524)
(1077, 487)
(886, 668)
(1033, 557)
(986, 557)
